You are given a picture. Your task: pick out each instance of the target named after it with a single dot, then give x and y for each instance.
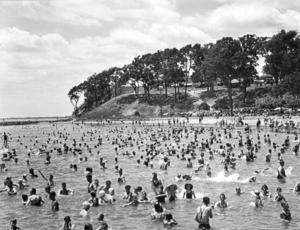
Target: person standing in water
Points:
(5, 140)
(285, 214)
(222, 202)
(258, 202)
(204, 212)
(281, 172)
(13, 225)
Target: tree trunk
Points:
(135, 89)
(245, 94)
(212, 87)
(185, 89)
(230, 99)
(166, 90)
(175, 93)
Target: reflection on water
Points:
(240, 215)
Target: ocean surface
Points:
(239, 215)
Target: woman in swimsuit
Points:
(171, 190)
(189, 193)
(281, 172)
(222, 202)
(156, 183)
(279, 197)
(265, 192)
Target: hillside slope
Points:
(127, 105)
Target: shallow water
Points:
(240, 215)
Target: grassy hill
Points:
(129, 105)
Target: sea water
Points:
(239, 215)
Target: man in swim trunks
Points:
(204, 212)
(64, 190)
(34, 199)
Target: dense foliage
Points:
(224, 61)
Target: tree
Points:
(148, 67)
(186, 58)
(74, 95)
(168, 61)
(249, 56)
(132, 76)
(115, 75)
(290, 84)
(206, 70)
(282, 54)
(267, 102)
(225, 58)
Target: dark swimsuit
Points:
(189, 195)
(279, 198)
(281, 172)
(285, 216)
(155, 182)
(161, 199)
(62, 192)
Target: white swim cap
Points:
(110, 190)
(86, 204)
(101, 193)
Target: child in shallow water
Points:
(285, 214)
(158, 212)
(85, 209)
(265, 192)
(68, 224)
(279, 197)
(169, 221)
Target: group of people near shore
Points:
(150, 139)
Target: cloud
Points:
(47, 47)
(235, 18)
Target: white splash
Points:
(221, 177)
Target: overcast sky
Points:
(47, 47)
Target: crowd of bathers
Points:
(153, 142)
